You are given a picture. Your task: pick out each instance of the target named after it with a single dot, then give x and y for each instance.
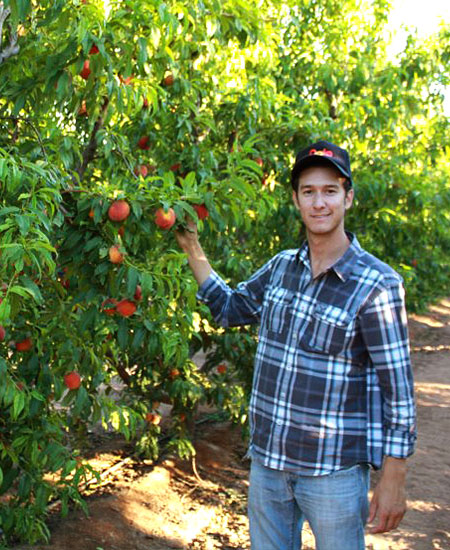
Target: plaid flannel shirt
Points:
(332, 382)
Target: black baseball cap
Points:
(327, 151)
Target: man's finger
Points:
(372, 510)
(381, 526)
(392, 523)
(395, 520)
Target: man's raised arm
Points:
(189, 243)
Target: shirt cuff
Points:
(208, 286)
(399, 443)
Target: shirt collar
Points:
(346, 263)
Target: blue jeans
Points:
(336, 507)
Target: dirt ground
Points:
(202, 505)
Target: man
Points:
(332, 388)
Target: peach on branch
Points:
(24, 345)
(115, 255)
(119, 211)
(141, 169)
(72, 380)
(168, 80)
(153, 418)
(85, 71)
(82, 111)
(165, 220)
(174, 373)
(126, 308)
(138, 293)
(127, 80)
(109, 302)
(143, 143)
(202, 211)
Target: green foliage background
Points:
(253, 82)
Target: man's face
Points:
(321, 200)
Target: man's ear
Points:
(295, 199)
(349, 196)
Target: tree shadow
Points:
(166, 505)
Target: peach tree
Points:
(103, 107)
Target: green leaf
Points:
(87, 319)
(32, 288)
(5, 311)
(187, 208)
(142, 50)
(18, 404)
(96, 242)
(146, 283)
(8, 210)
(139, 336)
(19, 104)
(21, 291)
(23, 8)
(132, 281)
(122, 334)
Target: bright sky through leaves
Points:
(426, 17)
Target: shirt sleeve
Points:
(240, 306)
(385, 331)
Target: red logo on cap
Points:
(322, 152)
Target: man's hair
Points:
(322, 163)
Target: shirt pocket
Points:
(327, 330)
(279, 309)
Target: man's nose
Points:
(318, 200)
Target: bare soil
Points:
(202, 505)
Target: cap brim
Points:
(309, 160)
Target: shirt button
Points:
(294, 337)
(279, 422)
(283, 394)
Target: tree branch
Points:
(332, 108)
(89, 152)
(12, 48)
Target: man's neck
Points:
(325, 250)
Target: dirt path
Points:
(426, 525)
(176, 505)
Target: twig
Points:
(13, 47)
(194, 469)
(94, 480)
(120, 153)
(189, 493)
(65, 191)
(332, 109)
(33, 127)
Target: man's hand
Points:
(388, 505)
(187, 239)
